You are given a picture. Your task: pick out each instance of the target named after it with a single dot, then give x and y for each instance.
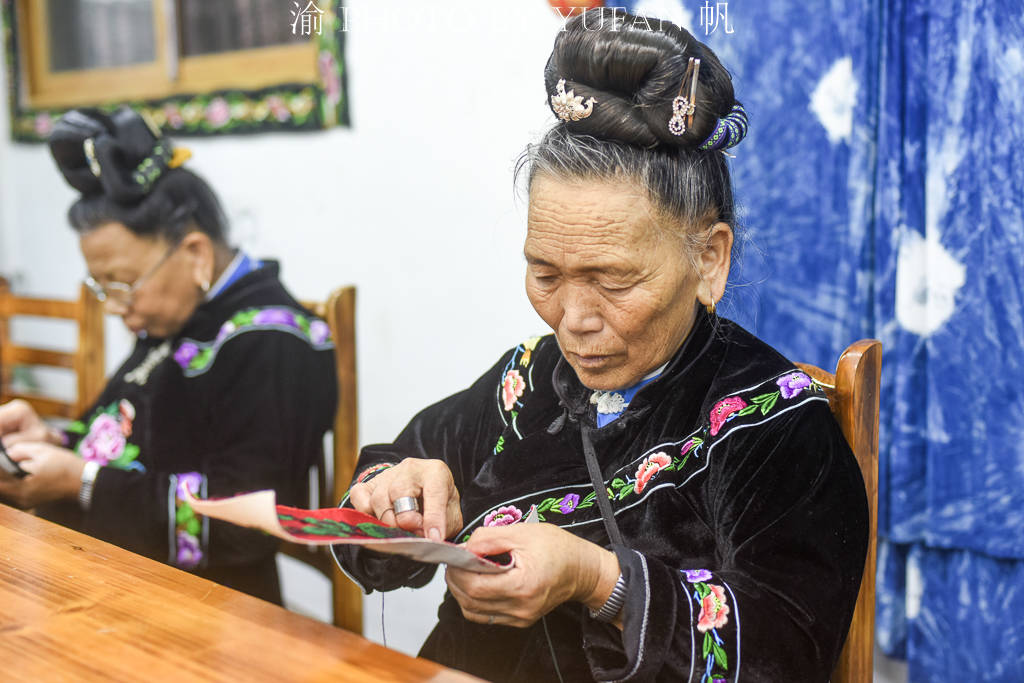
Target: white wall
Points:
(414, 204)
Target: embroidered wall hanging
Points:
(317, 103)
(329, 526)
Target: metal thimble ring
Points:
(406, 504)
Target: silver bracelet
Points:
(89, 472)
(613, 605)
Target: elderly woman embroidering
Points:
(703, 517)
(230, 386)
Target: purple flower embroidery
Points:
(319, 332)
(569, 503)
(192, 480)
(686, 448)
(104, 442)
(274, 316)
(189, 553)
(697, 575)
(792, 384)
(503, 516)
(185, 353)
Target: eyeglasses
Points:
(119, 294)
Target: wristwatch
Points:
(89, 472)
(613, 605)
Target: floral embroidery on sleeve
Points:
(105, 439)
(188, 533)
(712, 617)
(790, 386)
(196, 357)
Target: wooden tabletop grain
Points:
(78, 609)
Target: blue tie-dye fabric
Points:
(882, 195)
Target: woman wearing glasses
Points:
(230, 386)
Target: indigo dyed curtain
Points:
(882, 195)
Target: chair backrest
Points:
(335, 475)
(853, 396)
(86, 361)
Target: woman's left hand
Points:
(551, 566)
(54, 473)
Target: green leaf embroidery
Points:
(546, 504)
(748, 410)
(625, 491)
(588, 499)
(707, 644)
(183, 514)
(766, 401)
(193, 527)
(76, 427)
(702, 589)
(720, 657)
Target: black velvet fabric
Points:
(253, 419)
(715, 468)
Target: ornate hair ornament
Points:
(89, 149)
(683, 107)
(728, 132)
(569, 106)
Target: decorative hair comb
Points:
(683, 108)
(569, 106)
(728, 132)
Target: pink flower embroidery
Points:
(104, 442)
(648, 468)
(512, 388)
(713, 610)
(686, 447)
(723, 409)
(503, 516)
(218, 112)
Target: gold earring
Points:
(205, 286)
(710, 308)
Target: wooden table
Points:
(75, 608)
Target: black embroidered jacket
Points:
(238, 401)
(742, 509)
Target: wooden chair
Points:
(853, 396)
(86, 361)
(333, 477)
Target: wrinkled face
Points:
(618, 292)
(167, 295)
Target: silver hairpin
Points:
(683, 108)
(89, 147)
(569, 106)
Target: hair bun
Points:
(120, 155)
(634, 67)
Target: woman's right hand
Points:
(429, 481)
(19, 423)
